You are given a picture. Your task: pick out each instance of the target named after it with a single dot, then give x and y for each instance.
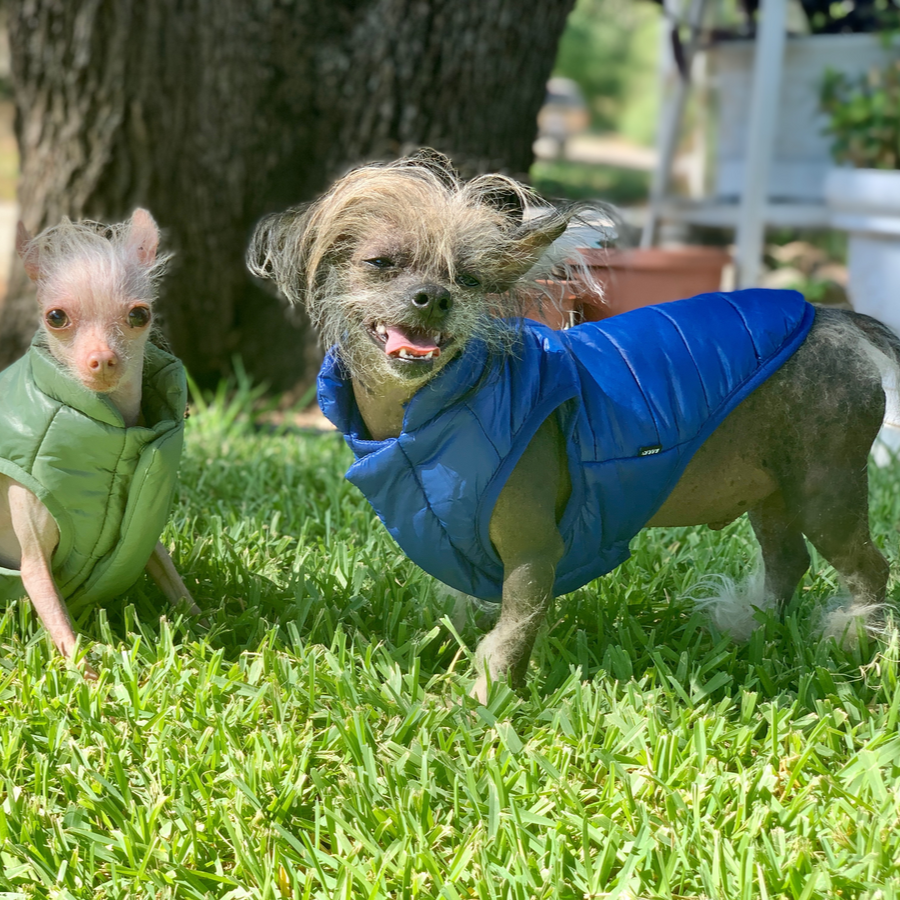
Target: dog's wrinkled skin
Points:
(406, 256)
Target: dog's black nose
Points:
(432, 298)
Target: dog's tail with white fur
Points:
(887, 445)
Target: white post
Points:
(697, 159)
(673, 102)
(763, 118)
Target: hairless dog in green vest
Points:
(91, 427)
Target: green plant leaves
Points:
(864, 114)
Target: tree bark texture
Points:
(211, 113)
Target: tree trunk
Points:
(211, 113)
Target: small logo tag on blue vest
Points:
(650, 451)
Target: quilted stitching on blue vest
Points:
(656, 381)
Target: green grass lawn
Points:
(317, 740)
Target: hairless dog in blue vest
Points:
(515, 463)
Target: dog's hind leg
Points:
(784, 554)
(834, 516)
(732, 608)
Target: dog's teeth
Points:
(428, 355)
(405, 354)
(380, 329)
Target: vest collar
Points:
(162, 387)
(456, 379)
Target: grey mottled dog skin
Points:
(410, 246)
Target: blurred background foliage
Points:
(611, 49)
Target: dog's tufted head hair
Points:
(401, 264)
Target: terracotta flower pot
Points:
(629, 279)
(644, 276)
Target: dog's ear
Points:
(436, 163)
(268, 255)
(260, 256)
(502, 194)
(143, 237)
(505, 199)
(529, 242)
(29, 256)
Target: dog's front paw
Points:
(499, 658)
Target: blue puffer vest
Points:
(636, 396)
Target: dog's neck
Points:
(127, 396)
(382, 407)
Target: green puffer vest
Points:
(108, 487)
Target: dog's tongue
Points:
(414, 343)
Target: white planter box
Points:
(802, 152)
(864, 200)
(866, 204)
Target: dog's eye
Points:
(56, 318)
(380, 262)
(139, 317)
(469, 281)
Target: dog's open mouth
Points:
(407, 342)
